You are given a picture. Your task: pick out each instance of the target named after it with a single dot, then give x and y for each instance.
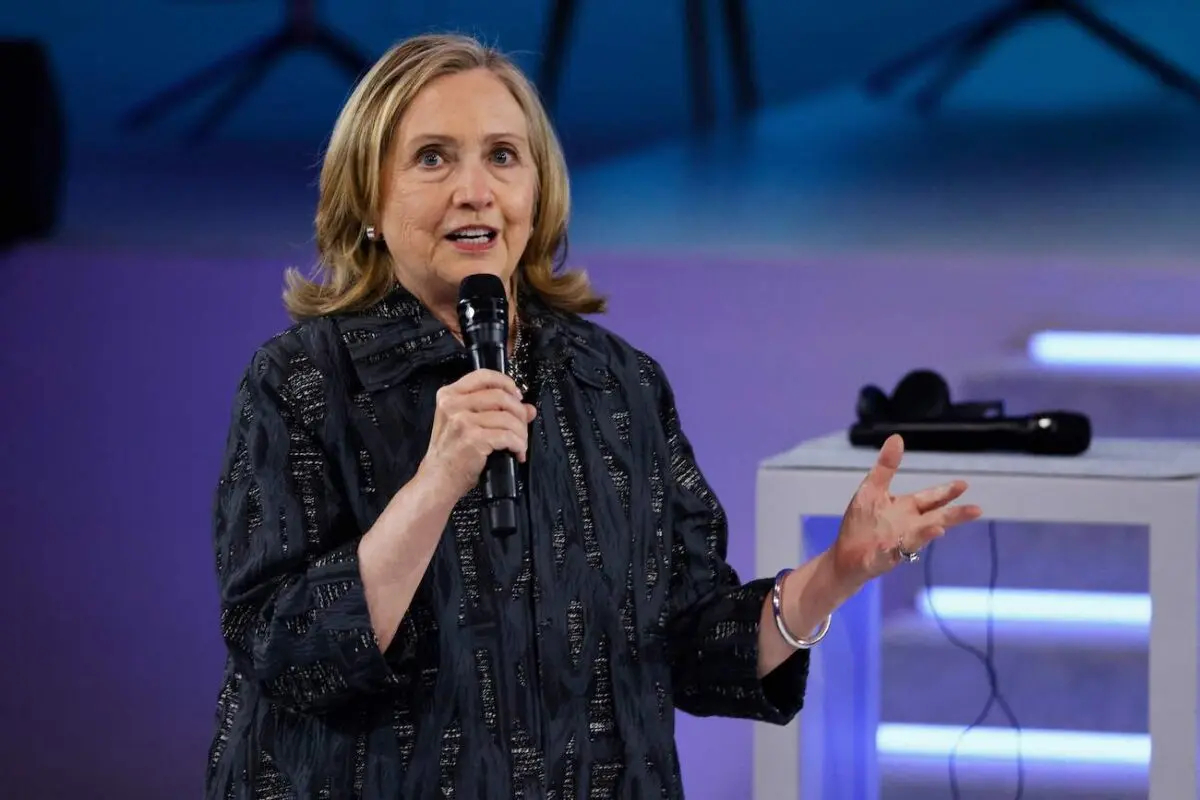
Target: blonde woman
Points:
(380, 644)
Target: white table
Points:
(1155, 483)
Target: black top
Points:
(547, 664)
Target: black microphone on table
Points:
(919, 409)
(483, 320)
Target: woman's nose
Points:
(474, 188)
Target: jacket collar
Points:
(399, 337)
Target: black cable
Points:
(986, 657)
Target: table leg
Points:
(1174, 562)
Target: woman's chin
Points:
(454, 270)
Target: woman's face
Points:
(459, 187)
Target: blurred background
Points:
(771, 226)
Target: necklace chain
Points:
(516, 364)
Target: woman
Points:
(381, 644)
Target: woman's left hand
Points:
(878, 525)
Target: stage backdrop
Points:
(624, 81)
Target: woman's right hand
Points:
(476, 415)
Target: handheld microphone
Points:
(1052, 433)
(483, 320)
(921, 411)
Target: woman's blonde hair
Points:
(355, 272)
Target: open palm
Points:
(878, 525)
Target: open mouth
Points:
(475, 234)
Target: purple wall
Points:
(118, 378)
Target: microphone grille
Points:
(1062, 433)
(481, 287)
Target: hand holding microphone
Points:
(481, 425)
(477, 415)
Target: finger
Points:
(880, 476)
(486, 441)
(927, 534)
(478, 379)
(499, 440)
(938, 496)
(950, 516)
(498, 421)
(488, 400)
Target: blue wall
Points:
(625, 80)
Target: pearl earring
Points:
(372, 234)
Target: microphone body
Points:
(1054, 433)
(483, 320)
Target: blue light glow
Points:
(1036, 605)
(1001, 744)
(1113, 349)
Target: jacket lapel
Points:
(394, 339)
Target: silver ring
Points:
(912, 557)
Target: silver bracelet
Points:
(777, 608)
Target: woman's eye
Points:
(429, 158)
(504, 156)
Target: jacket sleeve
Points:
(713, 625)
(293, 612)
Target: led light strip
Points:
(1114, 349)
(1035, 605)
(1077, 747)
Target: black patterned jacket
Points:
(547, 664)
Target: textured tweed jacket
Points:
(547, 664)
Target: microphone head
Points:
(481, 286)
(482, 301)
(1059, 433)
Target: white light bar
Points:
(1089, 747)
(1113, 349)
(1036, 605)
